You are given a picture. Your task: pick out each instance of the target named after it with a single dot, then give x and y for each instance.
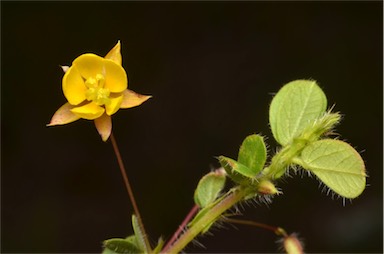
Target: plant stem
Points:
(189, 216)
(208, 218)
(276, 230)
(130, 192)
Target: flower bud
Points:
(292, 245)
(266, 187)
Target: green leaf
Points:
(209, 188)
(237, 171)
(118, 245)
(159, 246)
(337, 164)
(253, 153)
(132, 239)
(140, 239)
(108, 251)
(295, 107)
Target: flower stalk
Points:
(276, 230)
(130, 192)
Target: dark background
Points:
(212, 68)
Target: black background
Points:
(212, 68)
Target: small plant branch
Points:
(276, 230)
(187, 219)
(129, 190)
(232, 198)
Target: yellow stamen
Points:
(96, 91)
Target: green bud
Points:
(266, 187)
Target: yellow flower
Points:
(96, 88)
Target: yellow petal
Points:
(114, 54)
(73, 86)
(133, 99)
(63, 115)
(115, 77)
(89, 65)
(89, 111)
(104, 126)
(114, 106)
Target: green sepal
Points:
(119, 246)
(209, 188)
(337, 164)
(253, 153)
(296, 106)
(238, 172)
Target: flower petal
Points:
(133, 99)
(114, 106)
(73, 86)
(63, 115)
(115, 54)
(115, 77)
(89, 111)
(89, 65)
(104, 126)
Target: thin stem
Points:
(129, 190)
(276, 230)
(189, 216)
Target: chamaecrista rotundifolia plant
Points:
(96, 88)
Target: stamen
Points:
(102, 96)
(90, 94)
(101, 80)
(96, 91)
(91, 83)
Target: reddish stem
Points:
(187, 219)
(276, 230)
(129, 189)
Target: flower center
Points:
(96, 91)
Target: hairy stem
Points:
(276, 169)
(208, 218)
(187, 219)
(130, 192)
